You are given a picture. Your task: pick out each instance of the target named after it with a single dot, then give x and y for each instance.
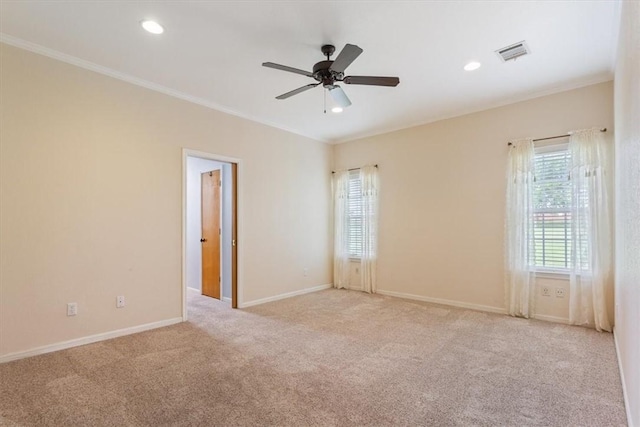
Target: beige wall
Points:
(627, 109)
(442, 196)
(91, 197)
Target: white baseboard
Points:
(189, 288)
(444, 302)
(468, 305)
(553, 319)
(226, 299)
(284, 296)
(88, 340)
(622, 380)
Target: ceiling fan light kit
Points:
(328, 72)
(339, 96)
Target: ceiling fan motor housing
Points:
(322, 73)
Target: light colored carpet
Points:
(334, 358)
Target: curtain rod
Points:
(355, 169)
(557, 136)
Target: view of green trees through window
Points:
(552, 210)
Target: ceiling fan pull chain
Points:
(324, 92)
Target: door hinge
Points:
(220, 183)
(220, 231)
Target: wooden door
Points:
(210, 239)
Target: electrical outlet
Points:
(559, 292)
(546, 291)
(120, 301)
(72, 309)
(305, 272)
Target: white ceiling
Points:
(211, 52)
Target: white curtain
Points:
(591, 275)
(368, 263)
(341, 226)
(519, 244)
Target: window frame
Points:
(541, 270)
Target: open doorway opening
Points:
(210, 227)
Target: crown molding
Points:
(97, 68)
(601, 78)
(70, 59)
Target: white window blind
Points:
(355, 214)
(552, 209)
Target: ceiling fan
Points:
(328, 72)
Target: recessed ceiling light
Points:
(336, 110)
(152, 26)
(473, 65)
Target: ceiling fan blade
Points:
(346, 56)
(285, 68)
(372, 81)
(297, 91)
(339, 96)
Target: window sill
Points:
(553, 274)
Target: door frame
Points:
(186, 152)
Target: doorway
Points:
(210, 227)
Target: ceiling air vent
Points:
(513, 51)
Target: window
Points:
(354, 217)
(355, 197)
(552, 208)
